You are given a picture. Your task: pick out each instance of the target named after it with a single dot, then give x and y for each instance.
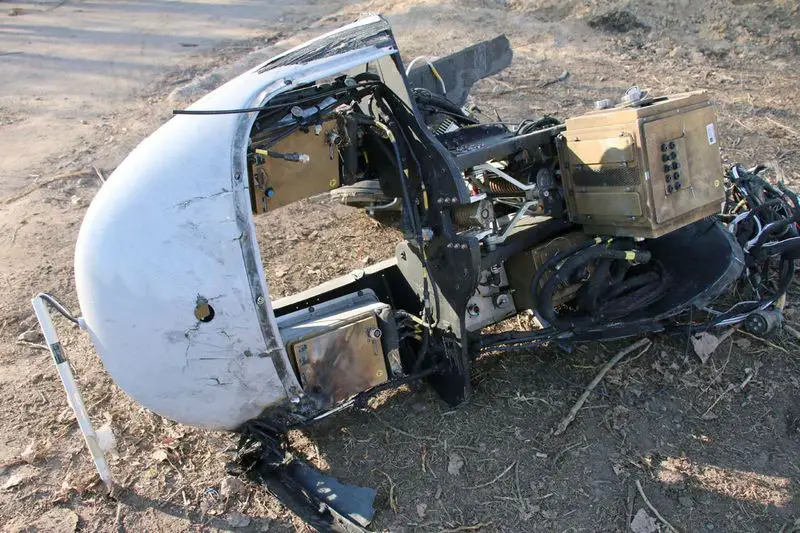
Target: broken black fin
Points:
(461, 70)
(320, 500)
(350, 502)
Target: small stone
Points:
(550, 515)
(366, 260)
(454, 464)
(743, 344)
(13, 481)
(231, 486)
(32, 335)
(76, 200)
(56, 520)
(238, 520)
(29, 453)
(159, 456)
(643, 523)
(422, 510)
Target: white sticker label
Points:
(712, 135)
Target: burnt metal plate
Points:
(341, 362)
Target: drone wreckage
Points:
(608, 225)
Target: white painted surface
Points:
(161, 233)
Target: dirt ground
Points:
(82, 82)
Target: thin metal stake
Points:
(73, 394)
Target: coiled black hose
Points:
(626, 297)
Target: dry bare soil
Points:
(710, 454)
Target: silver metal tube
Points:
(73, 394)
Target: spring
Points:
(501, 186)
(464, 216)
(474, 215)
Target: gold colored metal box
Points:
(643, 170)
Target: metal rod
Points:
(73, 394)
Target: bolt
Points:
(501, 300)
(464, 246)
(375, 333)
(260, 300)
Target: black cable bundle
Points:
(613, 287)
(767, 229)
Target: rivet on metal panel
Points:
(237, 175)
(260, 300)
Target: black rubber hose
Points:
(578, 260)
(789, 247)
(771, 229)
(423, 350)
(632, 283)
(553, 261)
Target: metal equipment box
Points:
(643, 170)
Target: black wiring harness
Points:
(764, 218)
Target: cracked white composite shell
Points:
(167, 267)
